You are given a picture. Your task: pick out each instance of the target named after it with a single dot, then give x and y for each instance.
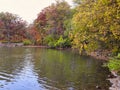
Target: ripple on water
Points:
(44, 69)
(5, 78)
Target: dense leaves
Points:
(33, 35)
(114, 63)
(51, 23)
(12, 28)
(97, 25)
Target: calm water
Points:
(46, 69)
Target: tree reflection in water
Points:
(41, 69)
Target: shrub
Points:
(63, 42)
(114, 63)
(27, 42)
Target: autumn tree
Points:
(33, 35)
(50, 21)
(96, 25)
(12, 28)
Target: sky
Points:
(26, 9)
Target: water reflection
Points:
(46, 69)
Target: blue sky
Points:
(26, 9)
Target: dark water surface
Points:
(46, 69)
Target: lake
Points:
(23, 68)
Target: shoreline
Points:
(35, 46)
(115, 81)
(101, 55)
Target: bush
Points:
(58, 42)
(63, 42)
(114, 63)
(27, 42)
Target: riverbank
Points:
(115, 83)
(11, 44)
(100, 54)
(35, 46)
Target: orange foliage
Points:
(35, 35)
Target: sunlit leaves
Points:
(97, 23)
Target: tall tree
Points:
(12, 27)
(50, 20)
(96, 25)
